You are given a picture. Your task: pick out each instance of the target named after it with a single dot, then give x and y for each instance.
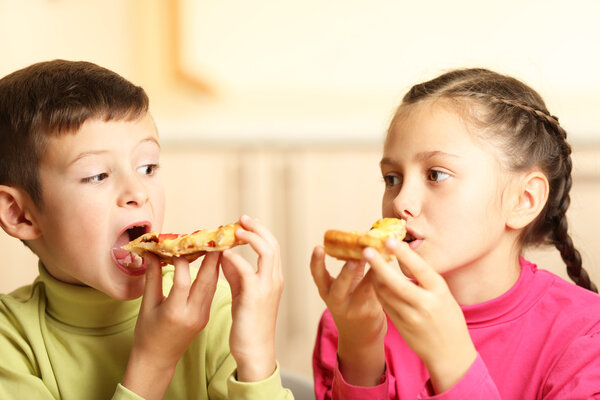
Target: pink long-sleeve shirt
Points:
(539, 340)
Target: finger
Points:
(387, 278)
(267, 254)
(153, 294)
(365, 290)
(346, 280)
(205, 285)
(235, 268)
(319, 272)
(181, 282)
(254, 225)
(420, 270)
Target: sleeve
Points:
(576, 374)
(23, 375)
(477, 384)
(220, 364)
(269, 388)
(122, 393)
(20, 376)
(329, 383)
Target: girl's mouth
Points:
(413, 240)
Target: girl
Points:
(479, 169)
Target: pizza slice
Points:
(166, 246)
(350, 245)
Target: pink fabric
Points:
(540, 340)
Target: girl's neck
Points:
(485, 279)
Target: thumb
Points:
(153, 294)
(231, 273)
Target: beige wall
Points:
(252, 95)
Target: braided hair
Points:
(515, 116)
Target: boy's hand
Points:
(166, 326)
(426, 314)
(255, 302)
(358, 316)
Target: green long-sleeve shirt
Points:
(61, 341)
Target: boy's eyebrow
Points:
(80, 156)
(424, 155)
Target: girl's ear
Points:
(15, 214)
(531, 196)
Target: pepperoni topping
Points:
(164, 236)
(211, 244)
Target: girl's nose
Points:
(407, 204)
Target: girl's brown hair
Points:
(515, 116)
(52, 98)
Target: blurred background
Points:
(278, 108)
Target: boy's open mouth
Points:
(130, 262)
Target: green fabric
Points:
(61, 341)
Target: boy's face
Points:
(96, 184)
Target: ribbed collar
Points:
(526, 292)
(83, 306)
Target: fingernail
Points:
(369, 253)
(392, 243)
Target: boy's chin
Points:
(129, 294)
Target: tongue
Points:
(127, 259)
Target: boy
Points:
(79, 177)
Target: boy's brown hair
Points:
(52, 98)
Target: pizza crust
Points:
(190, 246)
(350, 245)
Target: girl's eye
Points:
(96, 178)
(149, 169)
(437, 176)
(391, 181)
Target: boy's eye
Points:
(391, 180)
(437, 176)
(95, 178)
(149, 169)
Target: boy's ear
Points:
(15, 214)
(531, 196)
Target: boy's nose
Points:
(134, 193)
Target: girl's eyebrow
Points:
(424, 155)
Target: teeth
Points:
(136, 261)
(127, 259)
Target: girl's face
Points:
(448, 186)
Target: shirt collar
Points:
(528, 289)
(83, 306)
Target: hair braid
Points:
(562, 240)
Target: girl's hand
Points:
(426, 314)
(166, 326)
(255, 302)
(358, 317)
